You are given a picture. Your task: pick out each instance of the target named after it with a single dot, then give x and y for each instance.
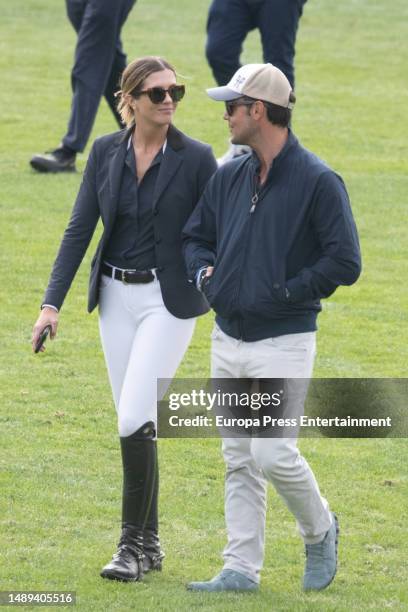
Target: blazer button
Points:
(155, 212)
(158, 240)
(276, 285)
(159, 269)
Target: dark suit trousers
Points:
(229, 22)
(98, 65)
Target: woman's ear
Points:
(129, 100)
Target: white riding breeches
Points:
(142, 341)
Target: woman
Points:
(144, 183)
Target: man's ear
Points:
(258, 110)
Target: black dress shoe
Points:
(127, 562)
(59, 160)
(153, 554)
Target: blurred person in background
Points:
(143, 182)
(228, 24)
(98, 66)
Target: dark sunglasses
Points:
(232, 105)
(158, 94)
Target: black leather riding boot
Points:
(139, 470)
(153, 555)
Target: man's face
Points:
(240, 122)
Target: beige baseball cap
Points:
(260, 81)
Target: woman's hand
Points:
(48, 316)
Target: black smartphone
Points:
(42, 338)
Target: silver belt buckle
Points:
(124, 277)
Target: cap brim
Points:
(223, 94)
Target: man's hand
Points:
(48, 316)
(203, 275)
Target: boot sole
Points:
(119, 578)
(43, 167)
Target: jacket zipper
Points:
(258, 194)
(254, 201)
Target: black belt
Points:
(128, 276)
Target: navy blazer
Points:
(185, 169)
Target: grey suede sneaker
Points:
(321, 560)
(226, 580)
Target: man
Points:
(272, 234)
(230, 21)
(98, 66)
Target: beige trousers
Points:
(251, 462)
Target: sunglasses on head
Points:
(158, 94)
(231, 105)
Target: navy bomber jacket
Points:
(275, 259)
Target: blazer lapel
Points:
(115, 169)
(171, 161)
(168, 168)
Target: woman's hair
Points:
(132, 81)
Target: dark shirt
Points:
(131, 245)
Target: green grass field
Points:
(60, 468)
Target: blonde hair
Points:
(132, 81)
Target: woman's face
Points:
(148, 112)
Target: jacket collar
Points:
(291, 141)
(289, 144)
